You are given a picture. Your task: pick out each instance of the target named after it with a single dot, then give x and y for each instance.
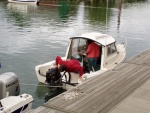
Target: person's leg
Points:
(90, 64)
(96, 67)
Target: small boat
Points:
(24, 1)
(48, 2)
(10, 100)
(111, 55)
(16, 104)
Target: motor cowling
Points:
(9, 85)
(53, 77)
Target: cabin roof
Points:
(103, 39)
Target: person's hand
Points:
(55, 66)
(80, 53)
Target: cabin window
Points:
(111, 49)
(77, 45)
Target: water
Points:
(32, 35)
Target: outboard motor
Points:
(9, 85)
(53, 77)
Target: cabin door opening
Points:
(99, 59)
(79, 45)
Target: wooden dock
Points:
(112, 92)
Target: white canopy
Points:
(103, 39)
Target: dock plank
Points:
(43, 109)
(120, 95)
(140, 59)
(107, 95)
(37, 110)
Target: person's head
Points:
(62, 68)
(89, 41)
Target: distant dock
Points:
(125, 89)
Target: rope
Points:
(71, 95)
(67, 95)
(38, 85)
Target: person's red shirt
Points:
(71, 65)
(93, 50)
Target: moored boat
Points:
(111, 55)
(16, 104)
(10, 100)
(24, 1)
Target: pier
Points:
(125, 89)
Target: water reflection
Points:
(63, 10)
(120, 2)
(45, 93)
(23, 8)
(50, 94)
(41, 90)
(21, 13)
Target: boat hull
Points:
(16, 104)
(23, 1)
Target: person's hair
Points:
(89, 41)
(62, 68)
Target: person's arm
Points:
(89, 49)
(77, 68)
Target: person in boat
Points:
(70, 66)
(93, 53)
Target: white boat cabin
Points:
(108, 49)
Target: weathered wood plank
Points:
(107, 94)
(43, 109)
(137, 57)
(147, 63)
(37, 110)
(126, 92)
(30, 111)
(120, 66)
(141, 58)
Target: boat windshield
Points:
(77, 45)
(111, 49)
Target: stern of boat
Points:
(41, 70)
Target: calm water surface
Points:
(32, 35)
